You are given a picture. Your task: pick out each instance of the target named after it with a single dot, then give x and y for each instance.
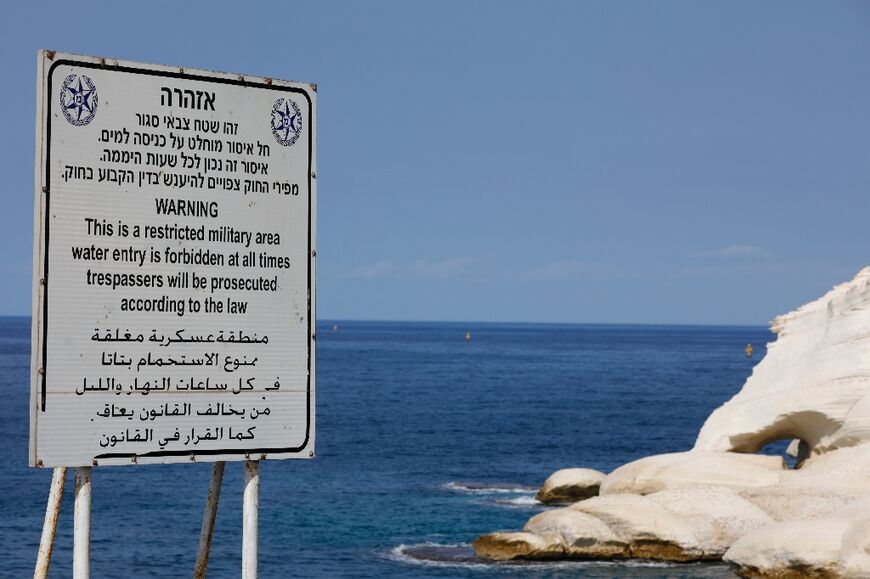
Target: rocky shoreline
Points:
(720, 501)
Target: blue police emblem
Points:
(78, 99)
(286, 121)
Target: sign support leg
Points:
(250, 519)
(208, 519)
(82, 524)
(46, 543)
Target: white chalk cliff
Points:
(721, 501)
(813, 383)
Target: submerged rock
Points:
(719, 501)
(570, 484)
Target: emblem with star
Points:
(286, 121)
(78, 99)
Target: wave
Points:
(438, 555)
(521, 502)
(486, 488)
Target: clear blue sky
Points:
(667, 162)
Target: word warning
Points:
(173, 301)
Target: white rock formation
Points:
(813, 384)
(570, 484)
(717, 499)
(508, 546)
(686, 524)
(837, 545)
(688, 469)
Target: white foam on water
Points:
(487, 488)
(522, 502)
(400, 554)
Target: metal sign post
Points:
(208, 520)
(174, 278)
(82, 524)
(49, 527)
(250, 519)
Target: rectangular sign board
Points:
(173, 302)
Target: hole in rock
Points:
(788, 427)
(778, 448)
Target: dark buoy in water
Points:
(467, 336)
(748, 350)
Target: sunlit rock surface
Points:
(570, 484)
(687, 469)
(688, 524)
(812, 385)
(720, 501)
(837, 545)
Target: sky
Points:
(593, 162)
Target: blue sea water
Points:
(424, 441)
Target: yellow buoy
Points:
(748, 350)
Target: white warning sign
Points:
(174, 265)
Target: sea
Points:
(425, 440)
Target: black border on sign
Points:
(184, 76)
